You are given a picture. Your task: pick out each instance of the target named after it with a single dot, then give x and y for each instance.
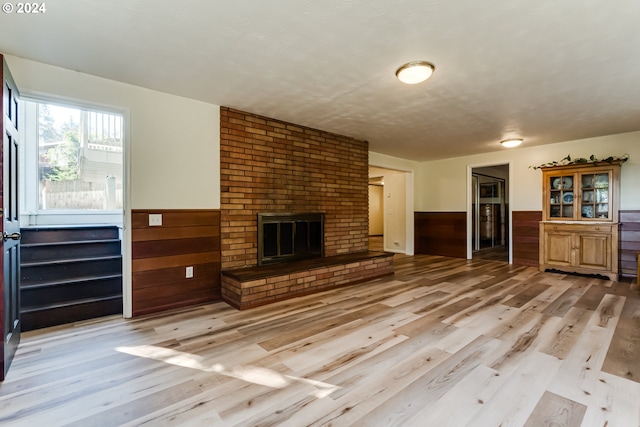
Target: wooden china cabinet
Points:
(579, 227)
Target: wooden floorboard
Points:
(443, 342)
(554, 410)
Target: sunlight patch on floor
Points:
(252, 374)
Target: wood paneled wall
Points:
(441, 233)
(160, 255)
(526, 238)
(444, 233)
(629, 242)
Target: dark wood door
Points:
(9, 225)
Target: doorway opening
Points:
(391, 210)
(490, 213)
(376, 213)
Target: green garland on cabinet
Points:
(581, 161)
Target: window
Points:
(71, 164)
(79, 158)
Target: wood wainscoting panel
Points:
(441, 233)
(526, 237)
(161, 255)
(629, 242)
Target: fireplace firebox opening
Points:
(289, 236)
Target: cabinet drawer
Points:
(578, 228)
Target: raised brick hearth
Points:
(255, 286)
(271, 166)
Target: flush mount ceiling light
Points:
(415, 72)
(510, 143)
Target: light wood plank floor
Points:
(443, 342)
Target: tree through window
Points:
(79, 158)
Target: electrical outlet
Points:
(155, 220)
(189, 272)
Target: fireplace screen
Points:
(285, 237)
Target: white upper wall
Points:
(442, 185)
(389, 162)
(174, 142)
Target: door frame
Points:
(508, 198)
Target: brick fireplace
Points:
(268, 165)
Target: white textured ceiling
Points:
(544, 70)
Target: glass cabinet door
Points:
(562, 196)
(595, 196)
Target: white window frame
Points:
(30, 214)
